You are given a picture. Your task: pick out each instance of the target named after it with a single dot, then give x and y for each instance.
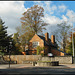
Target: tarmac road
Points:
(29, 69)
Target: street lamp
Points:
(72, 40)
(10, 46)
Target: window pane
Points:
(35, 44)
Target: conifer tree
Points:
(4, 38)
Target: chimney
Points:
(53, 39)
(46, 36)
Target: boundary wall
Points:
(21, 58)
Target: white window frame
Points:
(35, 44)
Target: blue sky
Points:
(54, 12)
(70, 5)
(62, 11)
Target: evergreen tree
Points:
(4, 38)
(16, 44)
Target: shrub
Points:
(39, 49)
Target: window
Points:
(35, 44)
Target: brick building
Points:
(44, 41)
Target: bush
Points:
(1, 53)
(39, 49)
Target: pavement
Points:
(69, 65)
(29, 69)
(6, 66)
(12, 66)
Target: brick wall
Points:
(53, 39)
(46, 51)
(41, 44)
(37, 39)
(56, 52)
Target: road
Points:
(29, 69)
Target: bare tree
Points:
(62, 34)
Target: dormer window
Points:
(35, 44)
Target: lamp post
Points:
(10, 46)
(73, 42)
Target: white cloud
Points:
(47, 3)
(11, 12)
(54, 7)
(71, 15)
(64, 18)
(52, 13)
(49, 10)
(62, 8)
(47, 6)
(52, 20)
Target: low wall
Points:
(61, 59)
(21, 58)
